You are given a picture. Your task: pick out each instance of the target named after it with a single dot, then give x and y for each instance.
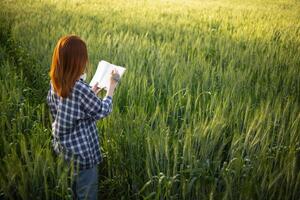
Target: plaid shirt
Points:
(74, 123)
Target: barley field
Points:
(209, 107)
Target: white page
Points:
(103, 73)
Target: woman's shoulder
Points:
(81, 86)
(51, 88)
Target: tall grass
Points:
(208, 108)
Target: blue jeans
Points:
(85, 185)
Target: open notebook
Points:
(103, 73)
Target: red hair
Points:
(69, 61)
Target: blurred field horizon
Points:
(209, 107)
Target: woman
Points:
(75, 108)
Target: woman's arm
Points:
(51, 104)
(94, 106)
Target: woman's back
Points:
(73, 123)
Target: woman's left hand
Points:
(96, 89)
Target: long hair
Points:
(69, 61)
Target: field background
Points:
(208, 109)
